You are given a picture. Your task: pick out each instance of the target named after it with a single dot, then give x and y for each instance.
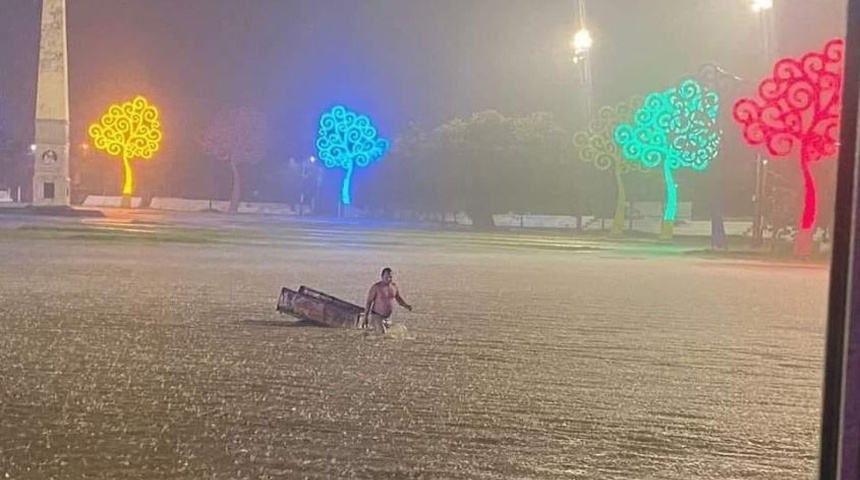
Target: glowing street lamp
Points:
(764, 10)
(761, 5)
(581, 44)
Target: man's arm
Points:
(402, 302)
(371, 299)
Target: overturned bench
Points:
(320, 308)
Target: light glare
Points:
(582, 41)
(761, 5)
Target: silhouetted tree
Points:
(238, 137)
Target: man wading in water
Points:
(380, 303)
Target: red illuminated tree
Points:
(797, 111)
(238, 137)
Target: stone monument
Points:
(51, 184)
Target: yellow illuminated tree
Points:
(129, 130)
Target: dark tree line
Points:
(489, 164)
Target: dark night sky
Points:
(397, 60)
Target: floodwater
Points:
(166, 359)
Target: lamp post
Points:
(715, 78)
(581, 43)
(80, 165)
(764, 10)
(312, 160)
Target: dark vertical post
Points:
(840, 425)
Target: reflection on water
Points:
(170, 362)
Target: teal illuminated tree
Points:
(596, 146)
(346, 140)
(676, 128)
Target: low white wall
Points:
(541, 221)
(191, 205)
(654, 210)
(187, 205)
(267, 208)
(650, 224)
(697, 228)
(108, 201)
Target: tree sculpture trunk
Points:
(128, 183)
(620, 206)
(670, 211)
(236, 192)
(345, 193)
(803, 243)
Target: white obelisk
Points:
(51, 184)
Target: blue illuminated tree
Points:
(346, 140)
(676, 128)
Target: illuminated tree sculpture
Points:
(129, 130)
(676, 128)
(238, 137)
(346, 140)
(597, 146)
(798, 110)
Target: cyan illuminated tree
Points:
(597, 146)
(798, 110)
(674, 129)
(347, 140)
(238, 137)
(129, 130)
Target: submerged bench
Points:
(319, 307)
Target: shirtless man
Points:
(379, 302)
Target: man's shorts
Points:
(376, 319)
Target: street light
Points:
(581, 44)
(764, 10)
(760, 5)
(312, 160)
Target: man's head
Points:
(386, 275)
